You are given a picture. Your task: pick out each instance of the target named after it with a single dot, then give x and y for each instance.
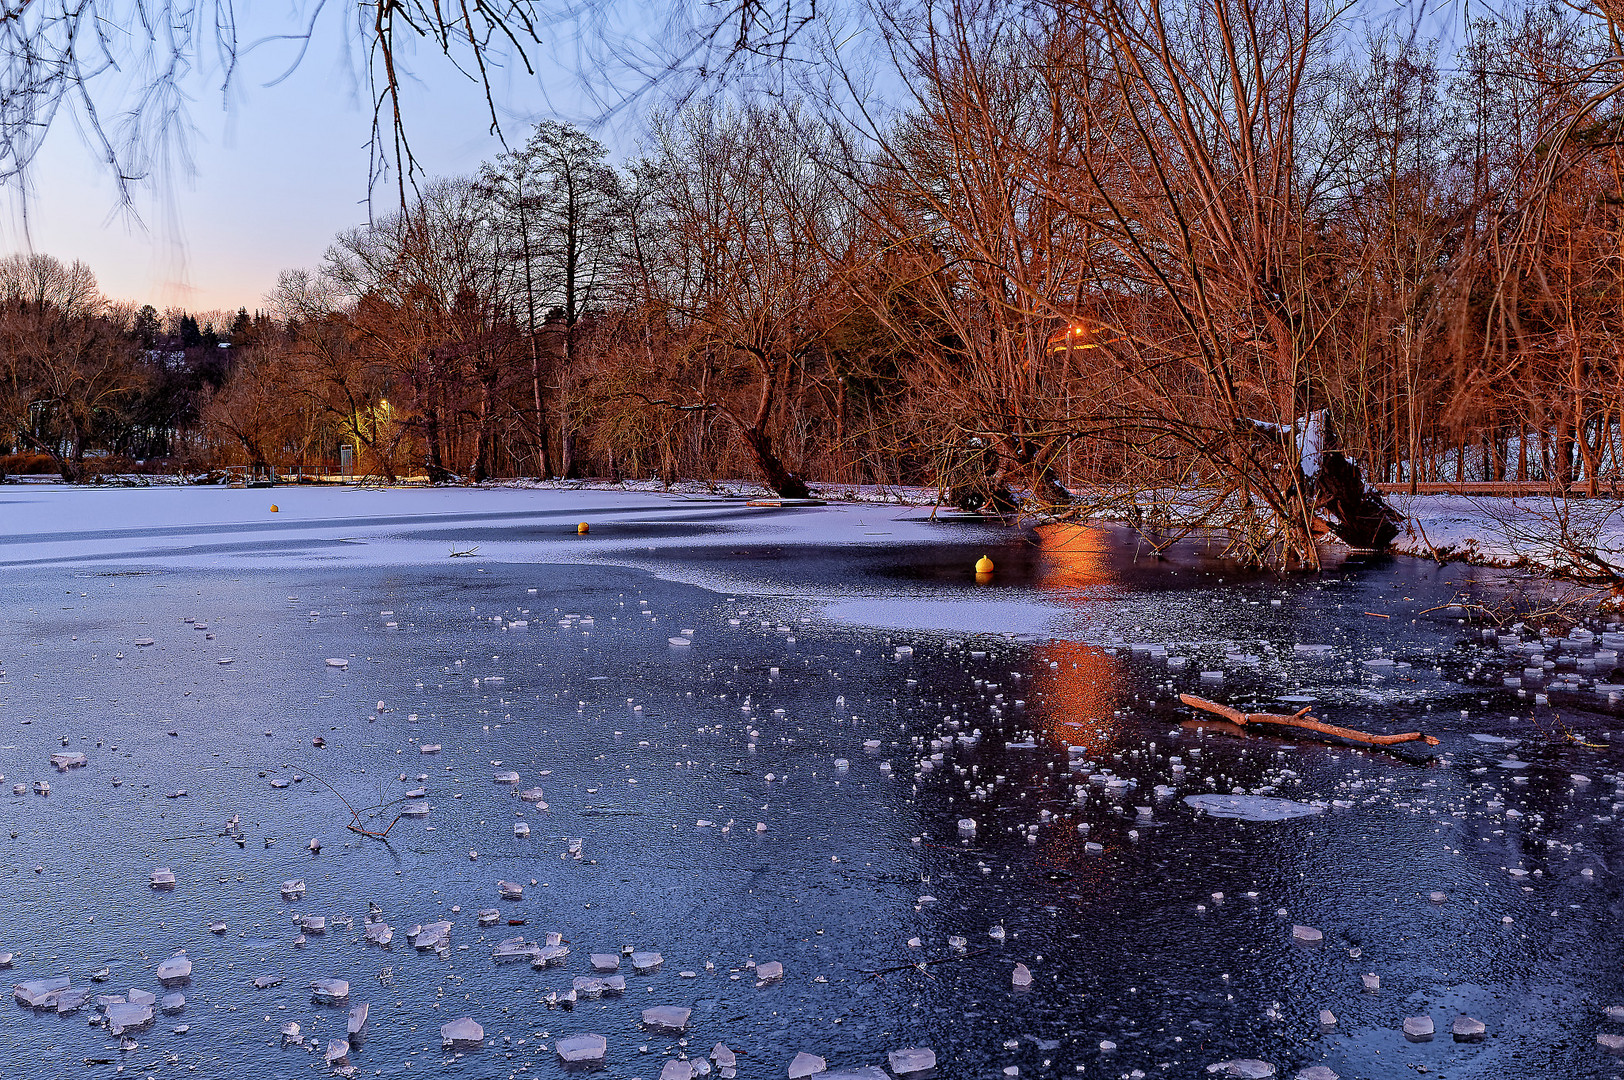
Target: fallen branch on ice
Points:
(1301, 719)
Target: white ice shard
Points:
(128, 1017)
(358, 1018)
(141, 997)
(175, 969)
(582, 1049)
(769, 971)
(531, 795)
(508, 777)
(1022, 976)
(1251, 807)
(70, 760)
(380, 933)
(1467, 1028)
(510, 890)
(337, 1050)
(432, 936)
(337, 661)
(677, 1069)
(462, 1032)
(292, 890)
(645, 962)
(1306, 935)
(1419, 1028)
(172, 1003)
(329, 990)
(672, 1018)
(163, 879)
(516, 949)
(912, 1059)
(313, 924)
(521, 830)
(605, 961)
(805, 1064)
(1244, 1068)
(40, 993)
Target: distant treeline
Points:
(1096, 243)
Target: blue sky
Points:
(274, 175)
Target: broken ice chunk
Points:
(337, 662)
(1250, 807)
(1372, 982)
(1467, 1029)
(670, 1018)
(806, 1065)
(1418, 1028)
(508, 777)
(462, 1032)
(516, 949)
(175, 969)
(163, 879)
(1246, 1068)
(71, 1000)
(1306, 935)
(40, 993)
(510, 890)
(380, 933)
(128, 1017)
(313, 924)
(605, 961)
(337, 1050)
(912, 1059)
(531, 795)
(1316, 1072)
(769, 971)
(645, 962)
(70, 760)
(1022, 976)
(329, 990)
(292, 890)
(582, 1049)
(723, 1057)
(173, 1003)
(432, 936)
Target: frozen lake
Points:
(792, 787)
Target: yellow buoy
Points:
(275, 509)
(983, 565)
(581, 529)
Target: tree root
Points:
(1301, 719)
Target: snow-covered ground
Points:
(1535, 532)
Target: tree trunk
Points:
(773, 471)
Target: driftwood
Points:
(1301, 719)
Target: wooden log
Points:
(1301, 719)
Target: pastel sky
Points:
(274, 175)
